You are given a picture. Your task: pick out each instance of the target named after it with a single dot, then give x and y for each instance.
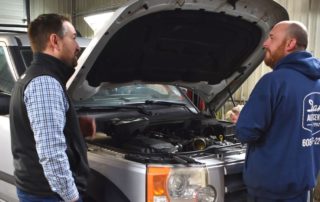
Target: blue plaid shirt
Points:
(47, 105)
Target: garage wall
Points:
(88, 7)
(48, 6)
(76, 10)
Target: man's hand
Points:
(88, 126)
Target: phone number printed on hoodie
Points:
(311, 141)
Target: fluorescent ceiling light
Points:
(97, 20)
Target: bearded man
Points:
(279, 122)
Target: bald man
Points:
(281, 121)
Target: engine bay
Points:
(146, 138)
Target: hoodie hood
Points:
(302, 62)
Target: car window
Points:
(26, 56)
(6, 77)
(134, 94)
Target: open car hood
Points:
(210, 46)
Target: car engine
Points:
(189, 136)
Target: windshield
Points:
(136, 94)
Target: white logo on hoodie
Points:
(311, 113)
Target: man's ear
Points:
(53, 41)
(291, 45)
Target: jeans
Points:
(26, 197)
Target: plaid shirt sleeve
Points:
(47, 106)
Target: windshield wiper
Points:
(166, 103)
(139, 109)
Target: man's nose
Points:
(265, 43)
(77, 46)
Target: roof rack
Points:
(16, 28)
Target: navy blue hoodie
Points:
(281, 124)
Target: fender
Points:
(101, 189)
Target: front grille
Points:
(235, 190)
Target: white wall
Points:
(63, 7)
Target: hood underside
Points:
(213, 43)
(176, 45)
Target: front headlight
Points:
(175, 184)
(206, 194)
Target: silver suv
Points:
(152, 143)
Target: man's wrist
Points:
(79, 199)
(72, 195)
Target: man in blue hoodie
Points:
(281, 120)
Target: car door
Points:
(7, 79)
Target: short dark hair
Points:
(299, 32)
(42, 27)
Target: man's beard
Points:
(75, 62)
(271, 59)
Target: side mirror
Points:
(4, 103)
